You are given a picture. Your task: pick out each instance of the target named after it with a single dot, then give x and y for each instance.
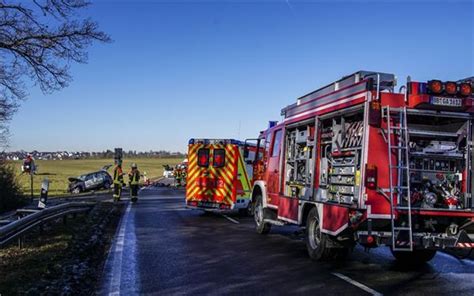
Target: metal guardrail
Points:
(21, 226)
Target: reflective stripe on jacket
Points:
(134, 176)
(118, 175)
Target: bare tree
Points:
(39, 40)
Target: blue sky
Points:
(186, 69)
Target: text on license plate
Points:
(453, 102)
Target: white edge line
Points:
(114, 287)
(230, 219)
(357, 284)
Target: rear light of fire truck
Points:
(465, 89)
(435, 86)
(371, 176)
(450, 88)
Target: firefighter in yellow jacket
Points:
(118, 181)
(133, 180)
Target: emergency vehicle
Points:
(358, 162)
(219, 175)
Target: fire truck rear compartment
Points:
(440, 151)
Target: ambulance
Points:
(219, 175)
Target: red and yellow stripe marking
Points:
(195, 189)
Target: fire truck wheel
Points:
(315, 240)
(415, 257)
(258, 214)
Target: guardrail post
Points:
(20, 242)
(65, 219)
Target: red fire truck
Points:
(357, 162)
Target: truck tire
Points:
(315, 240)
(415, 257)
(76, 190)
(259, 216)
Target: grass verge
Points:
(58, 171)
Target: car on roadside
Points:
(168, 171)
(90, 181)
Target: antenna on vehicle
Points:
(238, 131)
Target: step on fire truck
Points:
(356, 162)
(219, 175)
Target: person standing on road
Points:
(178, 176)
(133, 180)
(118, 181)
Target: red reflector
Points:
(371, 176)
(370, 239)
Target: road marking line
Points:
(114, 288)
(230, 219)
(357, 284)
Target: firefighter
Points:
(118, 181)
(133, 180)
(177, 176)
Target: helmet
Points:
(134, 165)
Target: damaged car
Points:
(90, 181)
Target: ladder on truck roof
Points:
(342, 88)
(398, 144)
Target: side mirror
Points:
(246, 151)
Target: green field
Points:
(58, 171)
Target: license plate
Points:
(451, 102)
(208, 204)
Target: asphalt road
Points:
(163, 248)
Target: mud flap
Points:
(463, 241)
(334, 218)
